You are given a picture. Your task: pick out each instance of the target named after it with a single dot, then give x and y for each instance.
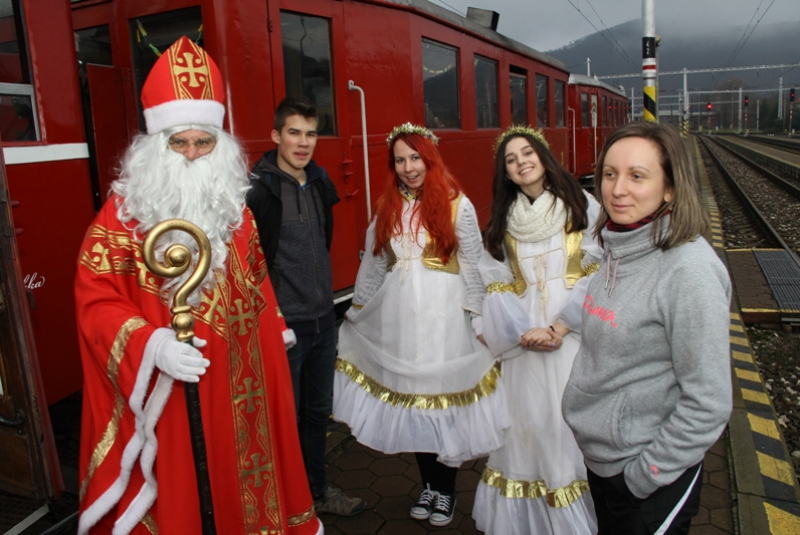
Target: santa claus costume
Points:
(137, 472)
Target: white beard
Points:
(157, 183)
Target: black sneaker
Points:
(424, 506)
(443, 511)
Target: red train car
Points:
(595, 110)
(46, 177)
(69, 104)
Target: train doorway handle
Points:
(353, 87)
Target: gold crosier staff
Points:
(178, 259)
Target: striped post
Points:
(649, 68)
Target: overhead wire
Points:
(611, 33)
(602, 34)
(736, 52)
(744, 33)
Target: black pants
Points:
(668, 511)
(440, 477)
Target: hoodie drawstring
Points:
(608, 274)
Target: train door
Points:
(308, 58)
(29, 465)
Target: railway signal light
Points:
(791, 95)
(708, 106)
(746, 101)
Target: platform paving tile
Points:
(391, 485)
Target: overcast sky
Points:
(548, 24)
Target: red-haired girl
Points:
(412, 374)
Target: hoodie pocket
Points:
(596, 421)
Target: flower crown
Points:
(516, 129)
(408, 128)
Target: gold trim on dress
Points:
(594, 267)
(435, 263)
(485, 387)
(499, 287)
(112, 428)
(572, 245)
(512, 252)
(533, 490)
(150, 523)
(356, 306)
(391, 257)
(301, 518)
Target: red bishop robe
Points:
(140, 474)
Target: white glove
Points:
(289, 339)
(180, 360)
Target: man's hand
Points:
(180, 360)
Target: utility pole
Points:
(685, 126)
(758, 113)
(740, 110)
(780, 98)
(649, 65)
(588, 66)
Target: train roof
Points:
(433, 11)
(581, 79)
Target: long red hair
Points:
(439, 187)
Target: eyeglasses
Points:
(204, 145)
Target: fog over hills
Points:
(683, 46)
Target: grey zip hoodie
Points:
(650, 389)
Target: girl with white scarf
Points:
(539, 251)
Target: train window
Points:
(606, 110)
(519, 97)
(486, 93)
(93, 45)
(153, 34)
(440, 79)
(542, 100)
(558, 101)
(585, 110)
(307, 64)
(18, 120)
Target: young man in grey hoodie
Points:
(292, 200)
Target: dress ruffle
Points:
(495, 513)
(458, 426)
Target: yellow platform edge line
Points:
(755, 396)
(781, 522)
(776, 469)
(763, 426)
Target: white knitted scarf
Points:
(538, 221)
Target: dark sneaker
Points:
(424, 506)
(443, 511)
(336, 502)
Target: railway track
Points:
(768, 211)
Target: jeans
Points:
(669, 510)
(312, 361)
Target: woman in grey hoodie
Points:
(650, 390)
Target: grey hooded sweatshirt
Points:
(650, 389)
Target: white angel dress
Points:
(536, 483)
(411, 375)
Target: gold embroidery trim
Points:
(572, 244)
(594, 267)
(512, 252)
(485, 387)
(301, 518)
(356, 306)
(112, 428)
(434, 263)
(499, 287)
(533, 490)
(150, 523)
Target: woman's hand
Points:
(541, 339)
(482, 340)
